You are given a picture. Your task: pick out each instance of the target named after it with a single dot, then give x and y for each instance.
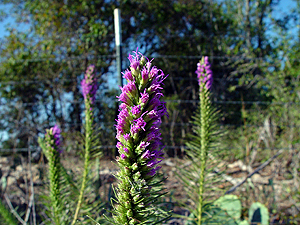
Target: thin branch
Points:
(232, 189)
(29, 209)
(13, 210)
(31, 203)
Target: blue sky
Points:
(282, 9)
(9, 22)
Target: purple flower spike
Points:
(54, 133)
(138, 134)
(204, 72)
(89, 84)
(141, 105)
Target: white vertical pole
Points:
(118, 39)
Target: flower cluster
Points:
(204, 72)
(53, 137)
(56, 134)
(89, 84)
(138, 134)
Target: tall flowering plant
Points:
(139, 141)
(72, 197)
(52, 150)
(89, 87)
(201, 145)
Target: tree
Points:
(41, 69)
(71, 34)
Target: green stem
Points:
(88, 135)
(54, 171)
(204, 105)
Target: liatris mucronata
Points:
(52, 144)
(204, 73)
(139, 141)
(56, 136)
(202, 144)
(89, 84)
(89, 87)
(206, 124)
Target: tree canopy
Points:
(42, 67)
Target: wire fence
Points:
(180, 126)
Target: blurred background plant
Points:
(198, 178)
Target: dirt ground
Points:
(269, 185)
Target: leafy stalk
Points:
(138, 134)
(88, 131)
(52, 142)
(54, 171)
(89, 88)
(204, 146)
(201, 146)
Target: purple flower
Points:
(136, 110)
(54, 137)
(146, 155)
(123, 156)
(119, 145)
(153, 171)
(128, 93)
(126, 150)
(140, 115)
(122, 121)
(138, 124)
(89, 84)
(56, 134)
(204, 73)
(127, 75)
(144, 97)
(134, 61)
(126, 137)
(139, 138)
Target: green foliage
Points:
(201, 153)
(54, 175)
(227, 210)
(91, 205)
(41, 65)
(6, 217)
(91, 141)
(231, 204)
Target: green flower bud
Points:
(136, 176)
(129, 213)
(127, 205)
(136, 198)
(135, 167)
